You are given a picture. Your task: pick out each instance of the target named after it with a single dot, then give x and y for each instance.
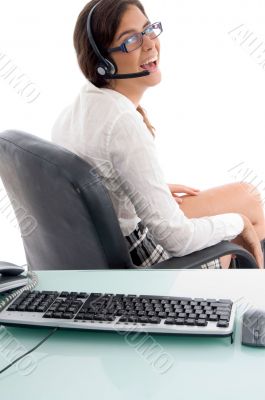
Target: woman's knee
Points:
(253, 207)
(249, 187)
(251, 194)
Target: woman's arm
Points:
(133, 156)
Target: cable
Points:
(34, 348)
(8, 298)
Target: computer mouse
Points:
(253, 328)
(9, 269)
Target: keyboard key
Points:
(223, 324)
(48, 314)
(162, 314)
(151, 314)
(49, 292)
(201, 322)
(226, 301)
(57, 314)
(169, 321)
(182, 315)
(180, 321)
(217, 304)
(213, 317)
(131, 313)
(143, 319)
(184, 302)
(222, 313)
(64, 294)
(13, 307)
(41, 308)
(72, 309)
(21, 308)
(141, 314)
(178, 308)
(68, 315)
(82, 295)
(120, 312)
(154, 320)
(224, 318)
(190, 321)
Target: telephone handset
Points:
(12, 279)
(9, 269)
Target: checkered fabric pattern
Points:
(145, 252)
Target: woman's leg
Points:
(242, 198)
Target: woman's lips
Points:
(151, 67)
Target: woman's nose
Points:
(148, 43)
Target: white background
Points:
(208, 110)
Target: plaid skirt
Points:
(145, 252)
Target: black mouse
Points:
(9, 269)
(253, 328)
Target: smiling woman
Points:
(136, 40)
(118, 51)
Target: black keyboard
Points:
(120, 312)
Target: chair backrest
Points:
(65, 215)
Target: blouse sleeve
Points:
(133, 156)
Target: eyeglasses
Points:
(135, 41)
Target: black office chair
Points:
(66, 216)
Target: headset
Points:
(106, 68)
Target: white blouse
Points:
(104, 128)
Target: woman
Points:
(107, 127)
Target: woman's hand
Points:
(251, 241)
(175, 189)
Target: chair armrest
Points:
(196, 259)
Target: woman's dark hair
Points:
(105, 22)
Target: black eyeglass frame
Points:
(140, 35)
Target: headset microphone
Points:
(106, 68)
(127, 76)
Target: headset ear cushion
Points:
(102, 69)
(106, 68)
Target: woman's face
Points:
(135, 21)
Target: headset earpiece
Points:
(106, 68)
